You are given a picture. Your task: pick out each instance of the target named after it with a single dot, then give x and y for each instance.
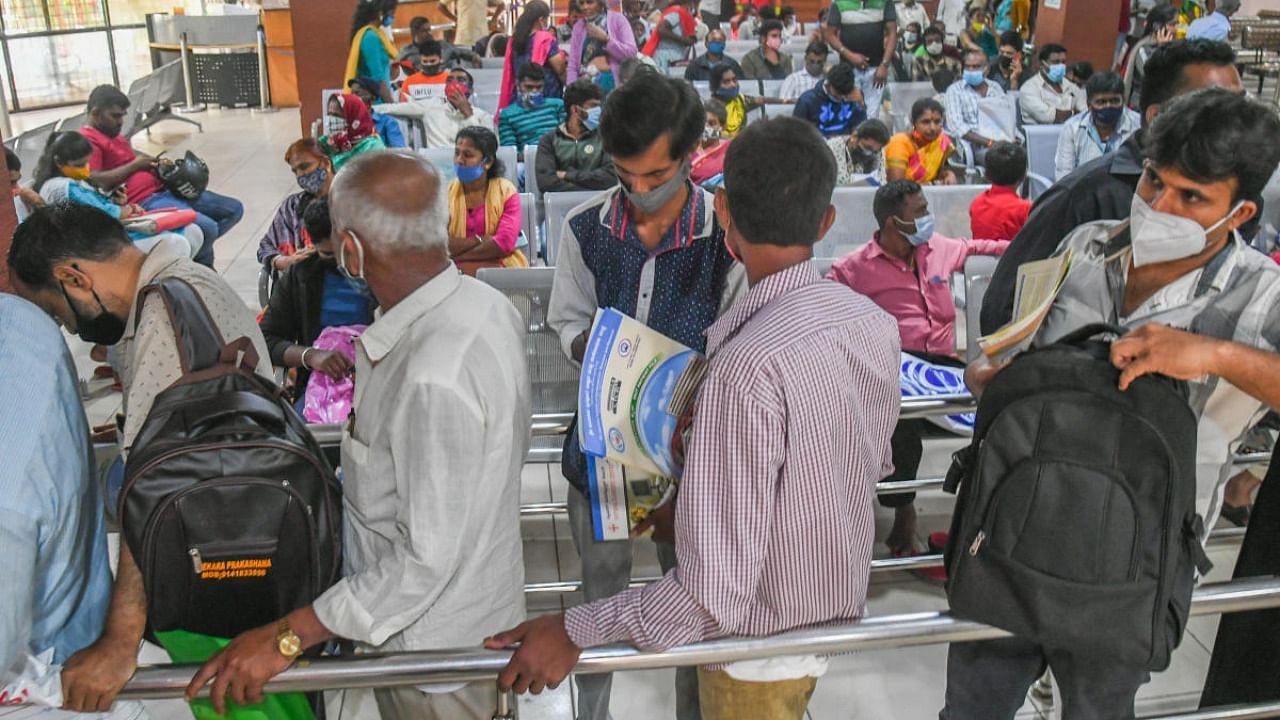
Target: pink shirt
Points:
(920, 300)
(110, 153)
(508, 231)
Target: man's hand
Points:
(330, 362)
(578, 348)
(30, 197)
(663, 521)
(545, 656)
(92, 678)
(882, 74)
(979, 373)
(1161, 349)
(241, 669)
(459, 102)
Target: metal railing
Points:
(476, 665)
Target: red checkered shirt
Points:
(791, 432)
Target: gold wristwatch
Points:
(288, 642)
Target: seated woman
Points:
(62, 175)
(349, 130)
(861, 154)
(921, 155)
(708, 159)
(310, 296)
(725, 91)
(484, 207)
(286, 241)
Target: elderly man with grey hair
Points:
(431, 458)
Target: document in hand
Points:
(634, 398)
(1037, 287)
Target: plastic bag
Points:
(37, 681)
(328, 400)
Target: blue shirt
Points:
(1214, 26)
(831, 117)
(342, 304)
(389, 129)
(53, 544)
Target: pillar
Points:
(8, 221)
(1087, 28)
(321, 39)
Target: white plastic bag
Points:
(33, 681)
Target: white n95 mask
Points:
(1158, 237)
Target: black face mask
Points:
(102, 329)
(432, 69)
(1006, 62)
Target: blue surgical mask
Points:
(1056, 72)
(389, 21)
(592, 120)
(727, 93)
(314, 180)
(531, 100)
(924, 230)
(469, 173)
(974, 78)
(715, 48)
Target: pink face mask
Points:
(773, 43)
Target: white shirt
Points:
(431, 473)
(797, 84)
(440, 120)
(1040, 102)
(952, 15)
(908, 14)
(1080, 143)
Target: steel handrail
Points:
(475, 665)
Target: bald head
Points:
(393, 200)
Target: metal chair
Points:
(977, 276)
(1042, 148)
(558, 207)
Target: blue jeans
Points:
(215, 214)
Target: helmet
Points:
(186, 177)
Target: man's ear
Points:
(68, 274)
(722, 208)
(828, 219)
(1243, 214)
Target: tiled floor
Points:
(245, 154)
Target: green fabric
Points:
(847, 5)
(187, 647)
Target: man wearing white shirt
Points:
(911, 11)
(443, 117)
(1102, 129)
(431, 458)
(815, 69)
(1049, 97)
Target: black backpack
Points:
(1076, 524)
(231, 511)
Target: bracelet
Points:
(304, 357)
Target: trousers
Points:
(215, 215)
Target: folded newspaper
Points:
(635, 397)
(1037, 287)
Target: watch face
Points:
(290, 645)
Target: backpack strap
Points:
(1088, 332)
(199, 341)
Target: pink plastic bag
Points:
(328, 400)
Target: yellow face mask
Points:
(76, 172)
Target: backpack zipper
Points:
(977, 543)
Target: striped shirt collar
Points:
(761, 294)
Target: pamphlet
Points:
(635, 400)
(1037, 287)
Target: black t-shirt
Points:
(861, 24)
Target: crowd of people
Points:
(703, 226)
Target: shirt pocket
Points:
(367, 488)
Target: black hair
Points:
(1159, 16)
(315, 218)
(1082, 70)
(933, 30)
(1104, 83)
(1011, 38)
(499, 43)
(107, 96)
(430, 46)
(769, 26)
(1163, 75)
(59, 232)
(924, 105)
(787, 10)
(631, 67)
(629, 126)
(873, 130)
(891, 197)
(817, 47)
(487, 143)
(416, 24)
(12, 161)
(369, 85)
(1050, 49)
(470, 79)
(1215, 134)
(531, 71)
(768, 13)
(716, 77)
(60, 148)
(1006, 164)
(370, 11)
(779, 175)
(942, 79)
(841, 78)
(579, 92)
(718, 110)
(975, 10)
(534, 11)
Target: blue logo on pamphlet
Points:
(624, 347)
(616, 441)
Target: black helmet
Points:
(186, 177)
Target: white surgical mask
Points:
(1157, 237)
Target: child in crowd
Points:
(998, 213)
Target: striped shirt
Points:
(962, 106)
(791, 431)
(519, 126)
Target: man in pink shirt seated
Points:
(906, 270)
(114, 162)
